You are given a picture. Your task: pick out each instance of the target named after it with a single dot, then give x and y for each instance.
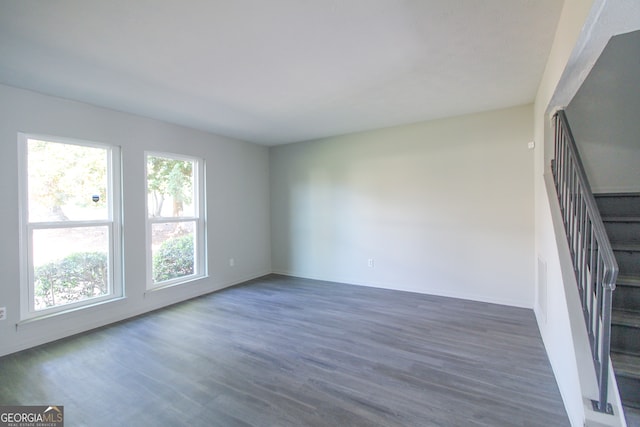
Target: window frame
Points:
(113, 222)
(200, 232)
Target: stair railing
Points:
(594, 263)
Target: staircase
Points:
(621, 216)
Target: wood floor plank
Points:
(282, 351)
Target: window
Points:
(175, 219)
(70, 224)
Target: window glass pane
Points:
(172, 250)
(66, 182)
(170, 189)
(70, 265)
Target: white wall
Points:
(237, 188)
(442, 207)
(604, 117)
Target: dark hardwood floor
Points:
(282, 351)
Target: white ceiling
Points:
(280, 71)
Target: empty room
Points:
(319, 213)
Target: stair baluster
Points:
(596, 274)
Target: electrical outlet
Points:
(3, 313)
(232, 262)
(370, 262)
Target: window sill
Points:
(49, 316)
(190, 280)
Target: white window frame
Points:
(113, 223)
(200, 232)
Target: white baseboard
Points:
(430, 291)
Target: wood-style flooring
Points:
(280, 351)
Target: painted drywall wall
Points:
(442, 207)
(237, 189)
(603, 116)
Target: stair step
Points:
(628, 258)
(625, 247)
(629, 389)
(627, 293)
(626, 318)
(626, 364)
(618, 204)
(628, 281)
(633, 416)
(627, 370)
(625, 331)
(626, 219)
(622, 229)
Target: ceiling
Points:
(280, 71)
